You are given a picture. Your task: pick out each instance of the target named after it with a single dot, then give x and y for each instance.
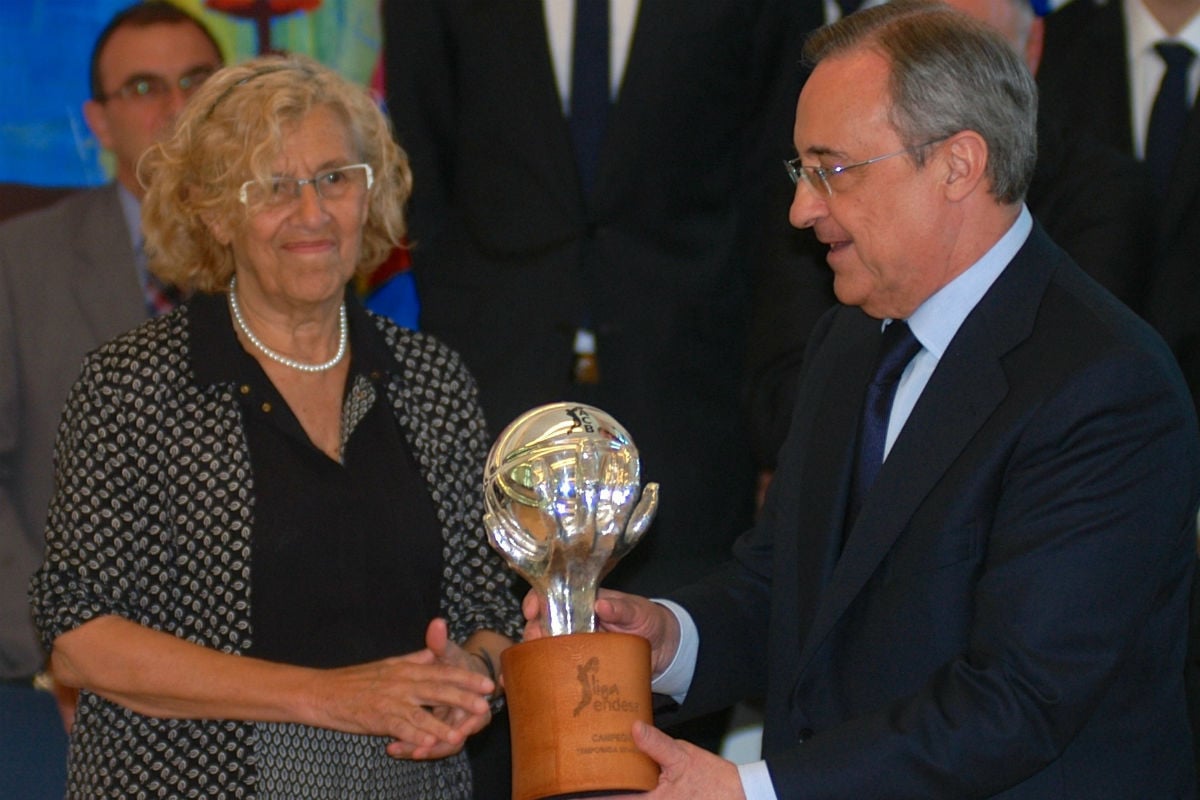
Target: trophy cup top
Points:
(553, 434)
(561, 490)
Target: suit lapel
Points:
(104, 285)
(1107, 53)
(829, 429)
(509, 43)
(1092, 66)
(651, 28)
(965, 388)
(1185, 179)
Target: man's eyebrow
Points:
(146, 75)
(143, 76)
(818, 150)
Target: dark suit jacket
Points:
(1007, 616)
(1096, 202)
(1083, 76)
(67, 284)
(510, 257)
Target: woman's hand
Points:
(448, 653)
(429, 701)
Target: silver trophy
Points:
(564, 503)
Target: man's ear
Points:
(97, 121)
(1034, 44)
(966, 157)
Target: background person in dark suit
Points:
(527, 251)
(70, 279)
(514, 255)
(1101, 69)
(1104, 69)
(1001, 611)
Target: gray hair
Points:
(949, 73)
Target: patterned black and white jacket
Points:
(152, 520)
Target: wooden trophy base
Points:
(572, 702)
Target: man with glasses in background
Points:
(970, 576)
(71, 277)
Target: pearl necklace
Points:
(343, 338)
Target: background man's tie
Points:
(590, 98)
(1168, 116)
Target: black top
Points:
(346, 557)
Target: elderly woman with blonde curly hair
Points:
(265, 562)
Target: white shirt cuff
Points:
(756, 781)
(676, 679)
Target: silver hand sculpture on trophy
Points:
(564, 504)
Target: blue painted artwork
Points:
(44, 72)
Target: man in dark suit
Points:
(1101, 69)
(1094, 199)
(1000, 610)
(515, 257)
(619, 279)
(70, 280)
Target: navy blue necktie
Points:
(590, 99)
(1168, 117)
(896, 349)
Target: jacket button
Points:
(805, 734)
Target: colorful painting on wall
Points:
(47, 45)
